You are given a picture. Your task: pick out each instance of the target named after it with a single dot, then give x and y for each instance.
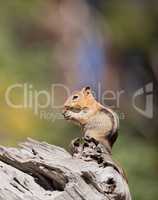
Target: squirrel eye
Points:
(75, 97)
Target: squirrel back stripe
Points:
(113, 133)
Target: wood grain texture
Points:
(40, 171)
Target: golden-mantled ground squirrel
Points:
(97, 121)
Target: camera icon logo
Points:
(147, 91)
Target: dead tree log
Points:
(40, 171)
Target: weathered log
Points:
(40, 171)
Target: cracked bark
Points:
(37, 171)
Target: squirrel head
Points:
(81, 99)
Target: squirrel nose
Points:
(63, 111)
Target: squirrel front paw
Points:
(68, 115)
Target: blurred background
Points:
(107, 44)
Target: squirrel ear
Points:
(86, 90)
